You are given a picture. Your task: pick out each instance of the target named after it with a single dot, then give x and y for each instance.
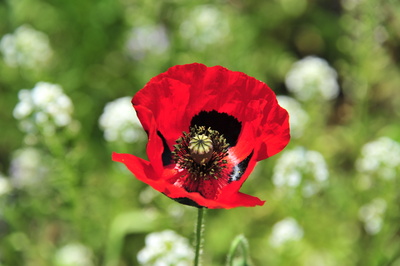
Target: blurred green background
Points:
(65, 190)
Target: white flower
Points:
(4, 185)
(74, 254)
(380, 157)
(284, 231)
(26, 47)
(298, 118)
(312, 77)
(119, 121)
(205, 25)
(27, 168)
(166, 248)
(148, 39)
(45, 106)
(301, 166)
(372, 215)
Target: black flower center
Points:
(225, 124)
(202, 152)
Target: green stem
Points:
(199, 235)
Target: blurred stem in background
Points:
(239, 242)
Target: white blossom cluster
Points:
(205, 25)
(166, 248)
(298, 118)
(147, 39)
(45, 107)
(73, 254)
(301, 167)
(371, 215)
(26, 47)
(285, 231)
(5, 185)
(120, 122)
(312, 77)
(27, 167)
(381, 158)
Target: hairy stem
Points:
(199, 235)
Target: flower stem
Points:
(199, 235)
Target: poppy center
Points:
(201, 148)
(202, 152)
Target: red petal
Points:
(154, 145)
(144, 172)
(168, 100)
(183, 91)
(166, 106)
(276, 132)
(142, 169)
(240, 200)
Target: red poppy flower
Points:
(207, 127)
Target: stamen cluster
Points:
(209, 167)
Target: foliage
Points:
(60, 192)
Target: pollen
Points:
(202, 152)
